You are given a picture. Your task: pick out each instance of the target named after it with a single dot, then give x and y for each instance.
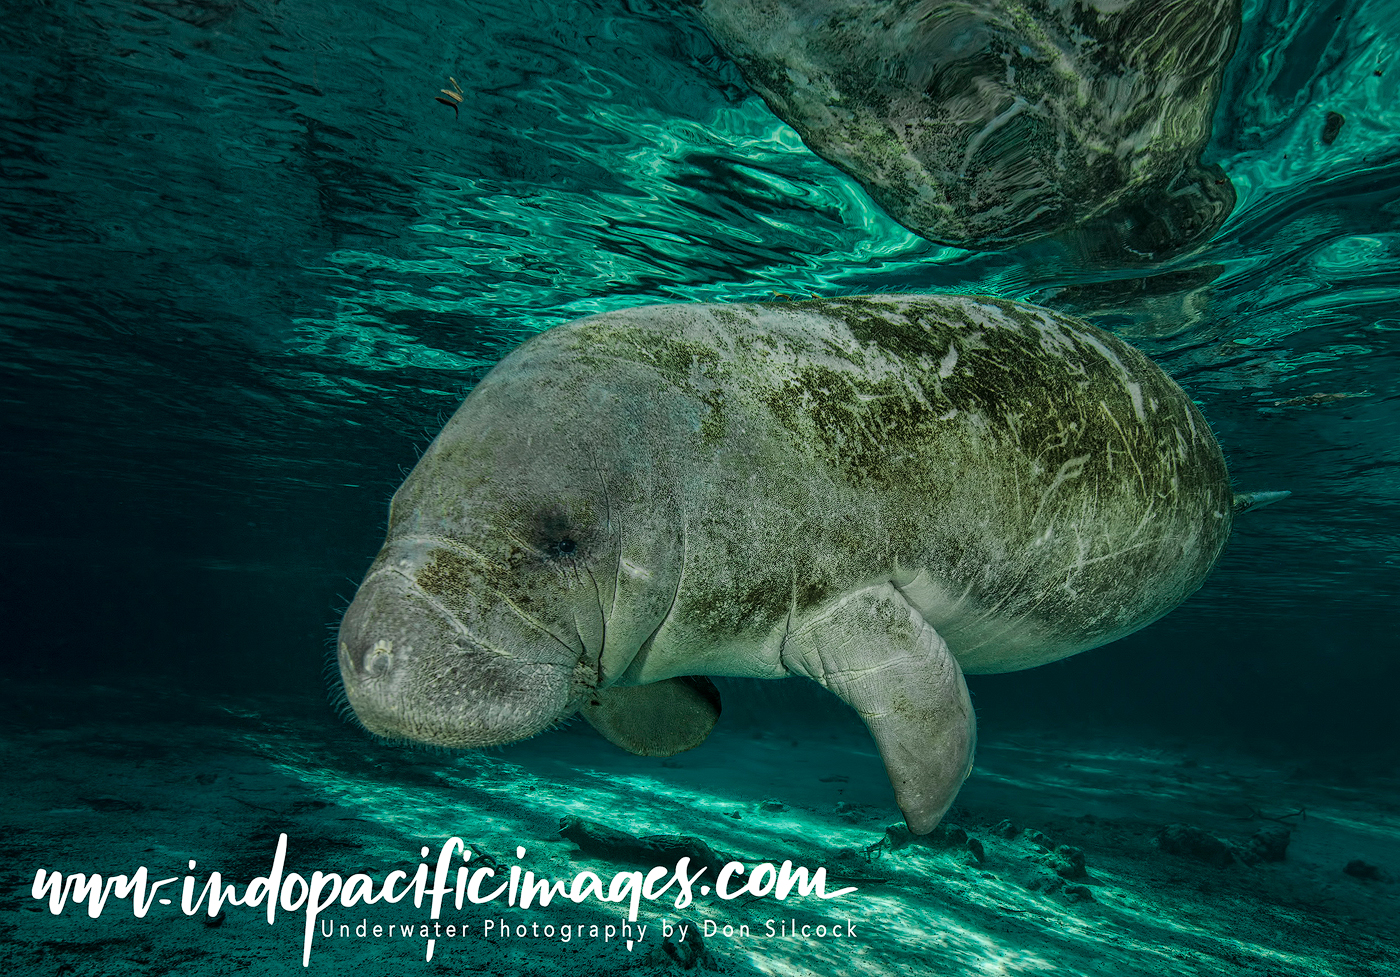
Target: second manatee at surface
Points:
(984, 124)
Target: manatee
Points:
(987, 123)
(881, 494)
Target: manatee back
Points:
(1034, 486)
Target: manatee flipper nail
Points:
(660, 719)
(878, 654)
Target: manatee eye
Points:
(557, 536)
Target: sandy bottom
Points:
(105, 781)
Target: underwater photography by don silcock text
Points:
(744, 487)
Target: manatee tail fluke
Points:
(1245, 501)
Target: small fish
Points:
(1317, 398)
(1245, 501)
(454, 96)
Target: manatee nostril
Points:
(380, 658)
(374, 663)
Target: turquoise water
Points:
(252, 264)
(262, 206)
(249, 265)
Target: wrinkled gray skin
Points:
(987, 123)
(877, 493)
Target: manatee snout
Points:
(414, 666)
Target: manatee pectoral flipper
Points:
(661, 719)
(881, 657)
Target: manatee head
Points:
(485, 616)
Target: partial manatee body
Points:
(876, 493)
(986, 123)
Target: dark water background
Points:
(248, 266)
